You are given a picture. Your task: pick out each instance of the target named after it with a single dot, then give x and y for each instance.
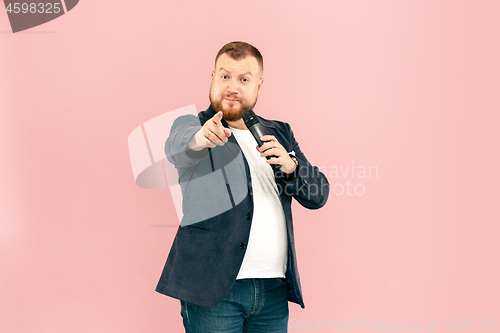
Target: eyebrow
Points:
(242, 74)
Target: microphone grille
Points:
(250, 118)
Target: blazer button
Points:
(249, 216)
(242, 245)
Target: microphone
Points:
(253, 125)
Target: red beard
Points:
(231, 112)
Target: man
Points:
(232, 263)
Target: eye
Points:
(245, 80)
(224, 77)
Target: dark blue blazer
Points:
(210, 243)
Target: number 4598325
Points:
(47, 8)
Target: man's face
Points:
(235, 86)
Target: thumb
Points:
(227, 132)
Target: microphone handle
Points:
(257, 133)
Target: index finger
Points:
(268, 138)
(217, 118)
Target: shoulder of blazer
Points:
(277, 126)
(268, 123)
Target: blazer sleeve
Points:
(182, 132)
(310, 187)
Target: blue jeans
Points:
(252, 306)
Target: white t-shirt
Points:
(267, 247)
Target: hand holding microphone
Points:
(268, 145)
(276, 154)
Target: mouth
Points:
(231, 100)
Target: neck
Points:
(238, 124)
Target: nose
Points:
(233, 86)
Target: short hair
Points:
(240, 50)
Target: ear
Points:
(261, 82)
(212, 75)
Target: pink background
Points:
(411, 87)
